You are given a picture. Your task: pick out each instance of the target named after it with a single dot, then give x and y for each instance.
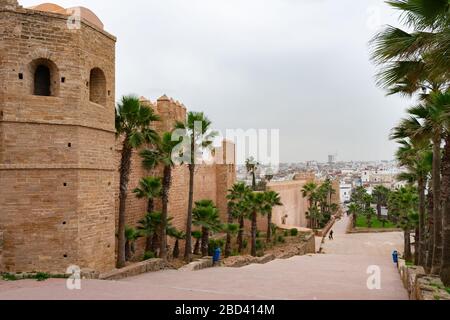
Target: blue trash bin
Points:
(395, 256)
(216, 257)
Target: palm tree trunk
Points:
(127, 250)
(445, 261)
(416, 246)
(379, 209)
(430, 233)
(155, 244)
(240, 238)
(125, 166)
(420, 234)
(176, 249)
(205, 241)
(148, 243)
(408, 254)
(228, 243)
(197, 247)
(167, 179)
(437, 216)
(254, 231)
(269, 226)
(188, 246)
(254, 180)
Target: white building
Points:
(345, 192)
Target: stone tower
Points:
(57, 78)
(8, 4)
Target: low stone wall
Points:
(372, 230)
(203, 263)
(307, 247)
(151, 265)
(421, 286)
(323, 232)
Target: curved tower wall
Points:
(56, 152)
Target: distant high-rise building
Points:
(331, 158)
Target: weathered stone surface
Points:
(56, 152)
(151, 265)
(287, 252)
(203, 263)
(421, 286)
(90, 274)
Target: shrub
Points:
(41, 276)
(149, 255)
(260, 253)
(258, 234)
(294, 232)
(245, 243)
(281, 239)
(286, 233)
(259, 245)
(9, 277)
(234, 252)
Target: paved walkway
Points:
(340, 273)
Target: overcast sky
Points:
(301, 66)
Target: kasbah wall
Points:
(211, 181)
(58, 155)
(59, 158)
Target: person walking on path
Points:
(331, 235)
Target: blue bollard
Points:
(216, 257)
(395, 256)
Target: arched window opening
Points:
(43, 78)
(97, 87)
(42, 81)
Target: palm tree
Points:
(415, 60)
(380, 194)
(255, 203)
(252, 167)
(354, 209)
(133, 124)
(272, 199)
(197, 129)
(369, 213)
(149, 226)
(236, 196)
(131, 235)
(445, 265)
(206, 216)
(416, 156)
(162, 155)
(231, 229)
(433, 114)
(197, 235)
(309, 191)
(404, 203)
(177, 235)
(149, 188)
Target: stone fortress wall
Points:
(57, 137)
(211, 181)
(59, 158)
